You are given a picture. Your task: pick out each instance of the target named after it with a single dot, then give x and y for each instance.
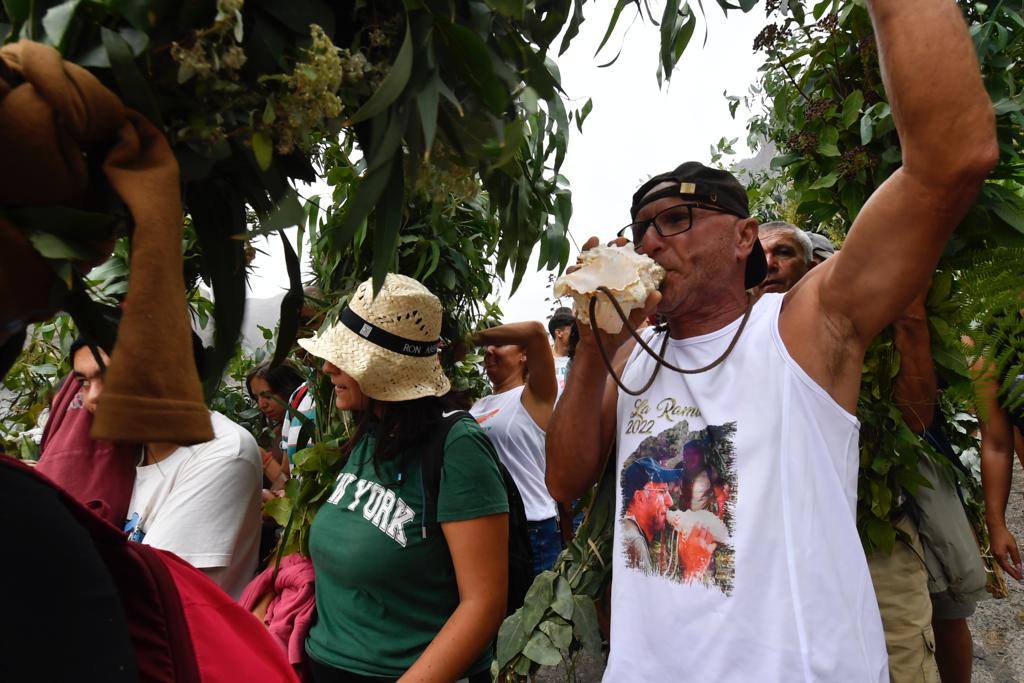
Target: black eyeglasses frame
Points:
(629, 231)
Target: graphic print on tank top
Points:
(679, 493)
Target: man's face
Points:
(649, 507)
(786, 261)
(89, 372)
(700, 260)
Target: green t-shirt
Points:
(383, 591)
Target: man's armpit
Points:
(839, 343)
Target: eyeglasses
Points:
(674, 220)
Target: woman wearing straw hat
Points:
(390, 602)
(519, 363)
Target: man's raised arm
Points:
(946, 127)
(582, 429)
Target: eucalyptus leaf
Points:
(588, 106)
(52, 247)
(388, 223)
(563, 603)
(541, 650)
(287, 214)
(585, 625)
(511, 638)
(392, 85)
(523, 666)
(73, 225)
(219, 217)
(56, 21)
(96, 56)
(538, 600)
(134, 89)
(262, 149)
(613, 22)
(560, 635)
(291, 305)
(509, 8)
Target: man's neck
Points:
(155, 452)
(708, 318)
(561, 349)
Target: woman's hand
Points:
(260, 610)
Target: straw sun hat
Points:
(387, 344)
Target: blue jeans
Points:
(545, 542)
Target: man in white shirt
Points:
(560, 328)
(768, 386)
(201, 502)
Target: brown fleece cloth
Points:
(57, 122)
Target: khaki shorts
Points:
(956, 572)
(901, 587)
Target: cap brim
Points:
(757, 266)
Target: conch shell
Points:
(683, 521)
(629, 276)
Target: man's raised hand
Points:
(612, 342)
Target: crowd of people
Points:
(736, 555)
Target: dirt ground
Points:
(997, 626)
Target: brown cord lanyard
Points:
(659, 357)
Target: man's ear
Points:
(746, 235)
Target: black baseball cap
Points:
(714, 188)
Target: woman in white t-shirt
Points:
(519, 363)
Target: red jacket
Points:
(89, 469)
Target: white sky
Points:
(634, 131)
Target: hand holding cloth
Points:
(65, 137)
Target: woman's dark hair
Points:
(401, 427)
(283, 380)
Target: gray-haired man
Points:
(788, 250)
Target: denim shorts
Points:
(545, 542)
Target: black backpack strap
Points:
(430, 468)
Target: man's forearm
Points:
(916, 387)
(574, 439)
(934, 86)
(996, 475)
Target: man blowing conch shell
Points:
(766, 439)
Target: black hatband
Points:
(385, 339)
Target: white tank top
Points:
(757, 572)
(520, 445)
